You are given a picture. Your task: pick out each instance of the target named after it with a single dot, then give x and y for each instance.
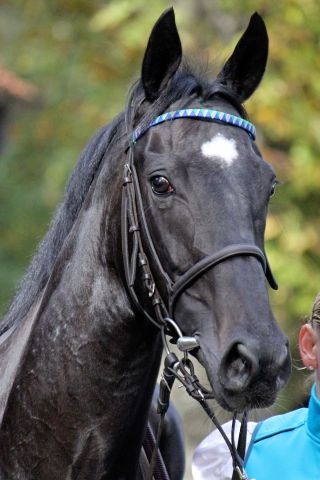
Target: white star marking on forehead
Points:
(220, 147)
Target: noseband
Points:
(137, 240)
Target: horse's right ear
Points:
(162, 56)
(243, 71)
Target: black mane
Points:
(184, 84)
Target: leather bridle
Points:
(136, 241)
(134, 224)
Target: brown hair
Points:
(315, 313)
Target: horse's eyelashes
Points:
(273, 188)
(160, 185)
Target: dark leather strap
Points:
(270, 277)
(242, 443)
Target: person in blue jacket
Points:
(282, 447)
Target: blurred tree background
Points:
(83, 55)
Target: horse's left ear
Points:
(162, 56)
(243, 71)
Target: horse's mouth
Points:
(255, 396)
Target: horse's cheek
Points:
(176, 226)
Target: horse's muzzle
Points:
(246, 374)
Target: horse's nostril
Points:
(247, 357)
(237, 368)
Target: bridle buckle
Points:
(185, 344)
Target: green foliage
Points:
(83, 56)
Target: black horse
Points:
(79, 354)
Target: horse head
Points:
(205, 190)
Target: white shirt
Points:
(211, 459)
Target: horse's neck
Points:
(88, 370)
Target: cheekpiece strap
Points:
(201, 114)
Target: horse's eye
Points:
(161, 185)
(273, 189)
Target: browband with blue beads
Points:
(200, 113)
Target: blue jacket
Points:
(287, 446)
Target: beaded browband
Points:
(201, 113)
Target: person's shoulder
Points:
(280, 423)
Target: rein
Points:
(136, 240)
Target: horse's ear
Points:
(243, 71)
(162, 56)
